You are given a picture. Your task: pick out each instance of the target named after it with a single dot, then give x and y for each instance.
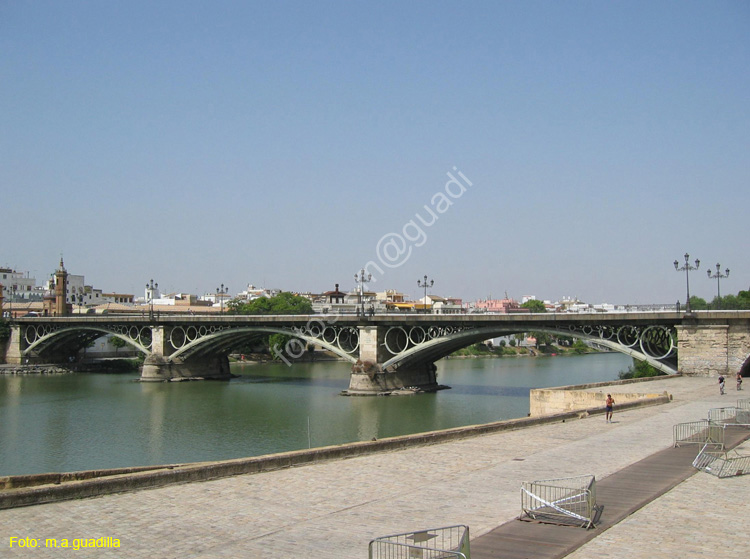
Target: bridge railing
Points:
(570, 500)
(701, 432)
(450, 542)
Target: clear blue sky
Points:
(277, 143)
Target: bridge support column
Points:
(158, 367)
(373, 381)
(13, 346)
(369, 379)
(712, 350)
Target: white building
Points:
(18, 285)
(250, 294)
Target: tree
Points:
(283, 303)
(117, 343)
(542, 338)
(534, 306)
(639, 369)
(580, 347)
(741, 301)
(698, 304)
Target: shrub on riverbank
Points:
(639, 369)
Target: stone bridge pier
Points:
(713, 349)
(159, 366)
(371, 376)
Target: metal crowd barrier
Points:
(743, 403)
(722, 464)
(569, 500)
(450, 542)
(730, 416)
(700, 432)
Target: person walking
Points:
(608, 410)
(721, 384)
(739, 380)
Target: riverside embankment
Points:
(336, 506)
(23, 490)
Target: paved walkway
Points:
(333, 509)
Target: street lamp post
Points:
(425, 284)
(361, 279)
(150, 288)
(718, 275)
(220, 294)
(12, 292)
(687, 268)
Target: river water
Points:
(57, 423)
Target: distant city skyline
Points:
(411, 295)
(538, 148)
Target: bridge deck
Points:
(619, 495)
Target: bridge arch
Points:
(40, 340)
(221, 340)
(638, 344)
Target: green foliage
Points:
(738, 302)
(4, 330)
(698, 304)
(534, 306)
(639, 369)
(741, 301)
(117, 343)
(283, 303)
(542, 338)
(580, 347)
(478, 348)
(288, 346)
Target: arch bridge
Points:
(387, 352)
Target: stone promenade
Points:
(334, 509)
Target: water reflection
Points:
(87, 421)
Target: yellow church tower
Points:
(61, 290)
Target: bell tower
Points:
(1, 300)
(61, 290)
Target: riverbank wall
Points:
(104, 366)
(17, 491)
(564, 399)
(36, 369)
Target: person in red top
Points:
(608, 412)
